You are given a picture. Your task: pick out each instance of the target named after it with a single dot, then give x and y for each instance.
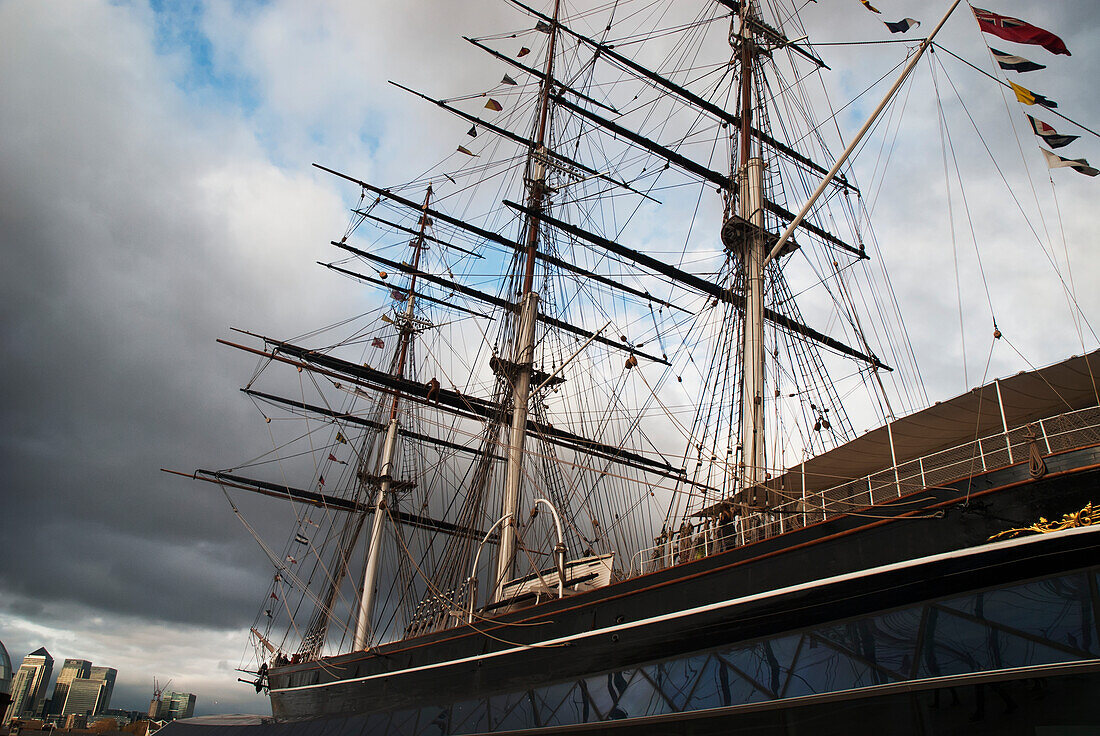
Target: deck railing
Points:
(1053, 434)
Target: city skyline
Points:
(78, 687)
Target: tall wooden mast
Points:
(524, 351)
(750, 177)
(389, 448)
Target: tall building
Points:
(28, 690)
(84, 697)
(5, 682)
(107, 675)
(172, 706)
(90, 694)
(180, 705)
(72, 669)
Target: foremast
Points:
(407, 329)
(524, 348)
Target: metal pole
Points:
(473, 570)
(893, 456)
(374, 552)
(524, 354)
(559, 551)
(1004, 421)
(385, 470)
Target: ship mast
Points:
(750, 177)
(524, 349)
(389, 448)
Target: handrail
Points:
(914, 472)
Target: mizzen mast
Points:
(524, 350)
(407, 328)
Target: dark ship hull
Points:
(848, 568)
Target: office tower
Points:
(72, 669)
(107, 675)
(28, 689)
(5, 682)
(84, 697)
(178, 705)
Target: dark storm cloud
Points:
(141, 216)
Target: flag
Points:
(321, 481)
(398, 295)
(301, 539)
(267, 612)
(274, 595)
(341, 439)
(508, 80)
(387, 319)
(1054, 161)
(310, 521)
(467, 151)
(1014, 29)
(472, 132)
(867, 4)
(291, 560)
(334, 459)
(542, 27)
(902, 25)
(523, 52)
(1050, 135)
(1015, 63)
(278, 578)
(493, 105)
(1028, 97)
(377, 343)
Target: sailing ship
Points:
(586, 467)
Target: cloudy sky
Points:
(156, 189)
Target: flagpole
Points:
(859, 136)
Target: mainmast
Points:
(750, 178)
(385, 465)
(524, 351)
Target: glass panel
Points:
(404, 723)
(712, 685)
(637, 696)
(678, 679)
(561, 704)
(1040, 622)
(470, 716)
(827, 666)
(1057, 609)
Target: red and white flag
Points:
(1014, 29)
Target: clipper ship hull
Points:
(804, 580)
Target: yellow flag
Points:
(1027, 97)
(1023, 95)
(869, 6)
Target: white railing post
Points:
(893, 457)
(1046, 439)
(1004, 421)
